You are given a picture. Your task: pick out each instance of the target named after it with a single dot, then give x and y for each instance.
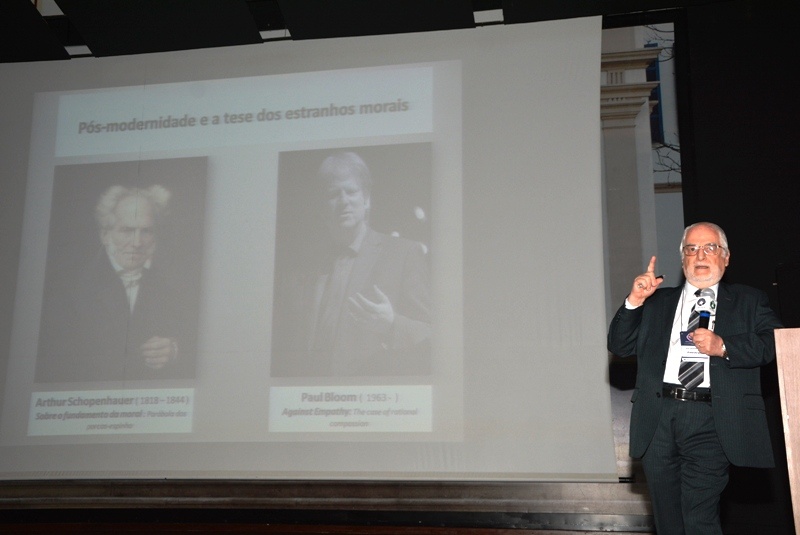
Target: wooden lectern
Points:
(787, 344)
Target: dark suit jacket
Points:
(88, 332)
(398, 267)
(745, 322)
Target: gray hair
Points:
(348, 163)
(158, 197)
(723, 239)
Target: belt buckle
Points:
(674, 392)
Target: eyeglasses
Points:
(710, 249)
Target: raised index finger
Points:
(651, 267)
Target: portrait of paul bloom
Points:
(122, 308)
(360, 303)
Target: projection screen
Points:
(364, 258)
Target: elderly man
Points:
(365, 308)
(120, 320)
(697, 406)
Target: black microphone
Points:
(705, 306)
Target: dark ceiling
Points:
(120, 27)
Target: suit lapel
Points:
(666, 317)
(724, 312)
(317, 294)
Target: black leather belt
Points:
(677, 392)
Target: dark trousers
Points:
(686, 470)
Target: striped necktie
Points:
(694, 315)
(690, 374)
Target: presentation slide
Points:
(366, 258)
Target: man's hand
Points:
(707, 342)
(645, 285)
(376, 316)
(158, 351)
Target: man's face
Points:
(704, 270)
(347, 205)
(132, 240)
